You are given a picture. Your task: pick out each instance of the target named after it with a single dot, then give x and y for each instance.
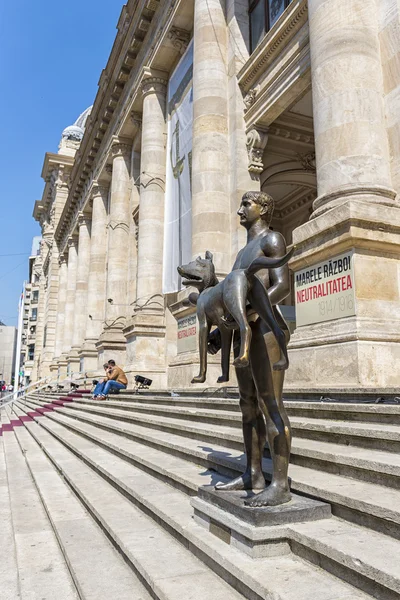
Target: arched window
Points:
(263, 15)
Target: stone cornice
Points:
(119, 93)
(288, 25)
(134, 23)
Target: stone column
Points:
(112, 341)
(70, 298)
(96, 295)
(82, 276)
(146, 335)
(352, 151)
(62, 296)
(211, 165)
(354, 212)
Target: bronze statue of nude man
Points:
(260, 388)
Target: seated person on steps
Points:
(115, 380)
(99, 384)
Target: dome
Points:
(81, 120)
(73, 132)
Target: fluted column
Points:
(96, 294)
(146, 333)
(70, 296)
(211, 165)
(352, 152)
(112, 340)
(82, 276)
(62, 296)
(152, 190)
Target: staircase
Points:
(95, 501)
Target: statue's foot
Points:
(271, 496)
(222, 379)
(244, 482)
(241, 361)
(281, 365)
(199, 379)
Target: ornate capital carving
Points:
(62, 259)
(154, 85)
(72, 241)
(121, 149)
(256, 141)
(84, 219)
(308, 161)
(250, 97)
(99, 190)
(179, 38)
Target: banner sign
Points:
(325, 291)
(178, 193)
(187, 339)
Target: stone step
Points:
(280, 577)
(166, 566)
(42, 570)
(374, 413)
(365, 435)
(375, 466)
(369, 504)
(98, 570)
(9, 580)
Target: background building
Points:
(8, 339)
(30, 359)
(199, 102)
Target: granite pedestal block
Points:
(259, 532)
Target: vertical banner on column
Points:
(178, 195)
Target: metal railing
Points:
(12, 396)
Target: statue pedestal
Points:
(259, 532)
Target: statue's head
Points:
(255, 206)
(199, 273)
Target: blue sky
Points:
(51, 57)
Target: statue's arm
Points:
(274, 246)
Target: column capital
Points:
(63, 259)
(84, 219)
(121, 148)
(154, 82)
(256, 141)
(99, 189)
(72, 240)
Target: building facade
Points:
(30, 353)
(200, 101)
(8, 339)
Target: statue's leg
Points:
(254, 433)
(226, 343)
(278, 432)
(204, 330)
